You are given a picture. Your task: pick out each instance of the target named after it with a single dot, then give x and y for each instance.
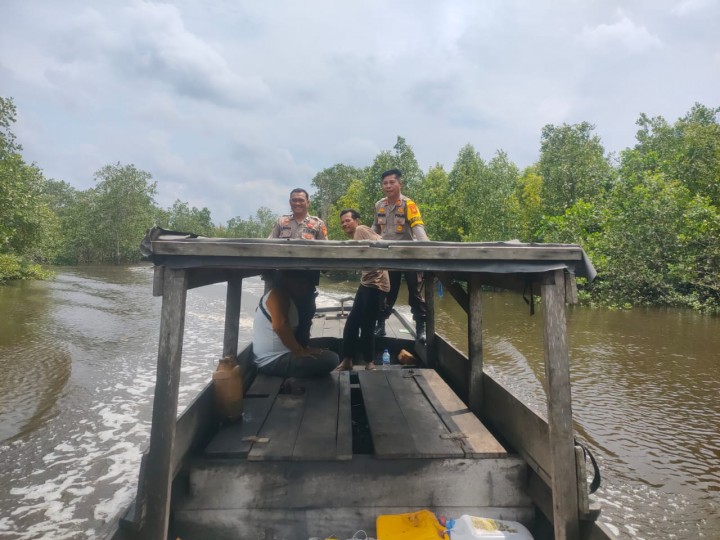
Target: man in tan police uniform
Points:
(398, 218)
(301, 225)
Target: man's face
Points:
(299, 203)
(391, 186)
(348, 224)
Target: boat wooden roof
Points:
(500, 263)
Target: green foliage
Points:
(21, 204)
(480, 194)
(28, 227)
(258, 226)
(525, 206)
(13, 267)
(688, 151)
(331, 184)
(696, 269)
(8, 114)
(573, 166)
(183, 218)
(582, 224)
(437, 214)
(640, 241)
(464, 193)
(123, 208)
(498, 185)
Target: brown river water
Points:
(77, 369)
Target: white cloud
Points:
(229, 105)
(624, 33)
(164, 50)
(686, 7)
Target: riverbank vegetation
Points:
(648, 217)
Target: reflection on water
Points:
(34, 373)
(78, 365)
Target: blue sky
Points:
(229, 105)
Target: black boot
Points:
(420, 331)
(380, 328)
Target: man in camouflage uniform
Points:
(398, 218)
(303, 226)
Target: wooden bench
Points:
(411, 413)
(414, 414)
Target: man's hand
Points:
(311, 351)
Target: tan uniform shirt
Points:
(375, 279)
(401, 221)
(310, 228)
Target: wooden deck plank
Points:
(478, 442)
(317, 435)
(391, 435)
(280, 429)
(343, 444)
(428, 431)
(333, 326)
(234, 440)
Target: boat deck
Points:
(318, 456)
(404, 411)
(410, 412)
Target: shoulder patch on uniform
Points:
(413, 214)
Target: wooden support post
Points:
(232, 315)
(158, 279)
(456, 291)
(475, 351)
(560, 423)
(429, 279)
(158, 480)
(571, 292)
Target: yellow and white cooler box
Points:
(470, 527)
(421, 525)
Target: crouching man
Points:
(276, 351)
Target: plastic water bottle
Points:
(386, 358)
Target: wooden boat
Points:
(331, 454)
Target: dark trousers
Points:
(359, 333)
(289, 365)
(415, 299)
(306, 310)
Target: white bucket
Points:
(470, 527)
